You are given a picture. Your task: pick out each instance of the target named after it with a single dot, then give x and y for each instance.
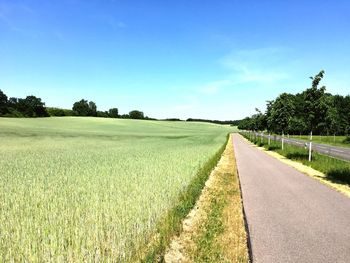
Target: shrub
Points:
(347, 140)
(341, 174)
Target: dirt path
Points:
(291, 217)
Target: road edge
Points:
(246, 225)
(306, 170)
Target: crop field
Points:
(92, 189)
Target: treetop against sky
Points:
(200, 59)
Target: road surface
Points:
(326, 149)
(291, 217)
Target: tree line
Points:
(32, 106)
(313, 110)
(233, 123)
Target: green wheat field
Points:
(91, 189)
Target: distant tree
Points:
(93, 108)
(269, 119)
(81, 108)
(259, 120)
(234, 122)
(31, 106)
(332, 121)
(113, 113)
(171, 119)
(342, 105)
(282, 111)
(150, 118)
(311, 110)
(315, 106)
(12, 102)
(3, 103)
(55, 112)
(135, 114)
(103, 114)
(246, 124)
(297, 126)
(124, 116)
(12, 108)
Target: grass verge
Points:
(214, 231)
(341, 141)
(171, 224)
(335, 170)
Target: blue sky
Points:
(202, 59)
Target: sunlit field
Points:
(92, 189)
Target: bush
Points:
(347, 140)
(260, 144)
(273, 147)
(341, 174)
(55, 112)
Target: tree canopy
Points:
(135, 114)
(31, 106)
(311, 110)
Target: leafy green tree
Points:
(332, 121)
(315, 106)
(281, 112)
(81, 108)
(124, 116)
(93, 108)
(312, 110)
(103, 114)
(113, 113)
(85, 108)
(269, 120)
(297, 125)
(342, 105)
(246, 124)
(259, 120)
(31, 106)
(135, 114)
(55, 112)
(3, 103)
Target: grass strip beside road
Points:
(214, 231)
(329, 140)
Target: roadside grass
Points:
(222, 235)
(336, 170)
(323, 139)
(208, 249)
(214, 230)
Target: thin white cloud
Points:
(190, 103)
(260, 66)
(121, 24)
(214, 87)
(109, 20)
(8, 13)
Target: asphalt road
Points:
(326, 149)
(291, 217)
